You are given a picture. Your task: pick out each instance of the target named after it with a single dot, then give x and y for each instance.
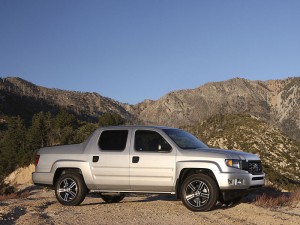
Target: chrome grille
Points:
(254, 167)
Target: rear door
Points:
(110, 160)
(152, 161)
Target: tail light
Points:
(37, 157)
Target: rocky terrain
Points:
(20, 178)
(41, 207)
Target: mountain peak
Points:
(17, 80)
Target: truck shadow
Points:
(251, 198)
(161, 197)
(139, 198)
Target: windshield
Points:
(184, 139)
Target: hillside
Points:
(20, 97)
(275, 101)
(280, 154)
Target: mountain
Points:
(280, 154)
(18, 96)
(274, 101)
(261, 117)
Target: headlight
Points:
(236, 163)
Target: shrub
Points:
(273, 198)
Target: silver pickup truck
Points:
(147, 159)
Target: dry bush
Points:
(268, 201)
(272, 198)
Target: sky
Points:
(131, 50)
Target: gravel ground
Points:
(41, 207)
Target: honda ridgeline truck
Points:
(147, 159)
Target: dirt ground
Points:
(41, 207)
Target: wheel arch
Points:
(63, 170)
(79, 167)
(187, 169)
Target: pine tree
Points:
(14, 151)
(37, 133)
(110, 119)
(64, 124)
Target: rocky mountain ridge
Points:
(274, 101)
(88, 104)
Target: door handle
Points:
(135, 159)
(95, 158)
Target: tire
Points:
(113, 198)
(70, 189)
(199, 193)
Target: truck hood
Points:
(229, 154)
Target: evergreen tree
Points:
(49, 128)
(84, 131)
(13, 146)
(37, 133)
(110, 119)
(64, 125)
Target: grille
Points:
(254, 167)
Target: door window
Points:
(150, 141)
(113, 140)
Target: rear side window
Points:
(150, 141)
(113, 140)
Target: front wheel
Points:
(199, 192)
(70, 189)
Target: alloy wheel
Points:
(197, 193)
(67, 189)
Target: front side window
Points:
(113, 140)
(150, 141)
(184, 139)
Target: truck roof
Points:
(135, 126)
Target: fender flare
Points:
(72, 164)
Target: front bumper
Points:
(232, 181)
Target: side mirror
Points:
(165, 147)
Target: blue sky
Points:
(135, 50)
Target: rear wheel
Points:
(70, 189)
(199, 192)
(113, 198)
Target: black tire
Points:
(113, 198)
(70, 189)
(199, 193)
